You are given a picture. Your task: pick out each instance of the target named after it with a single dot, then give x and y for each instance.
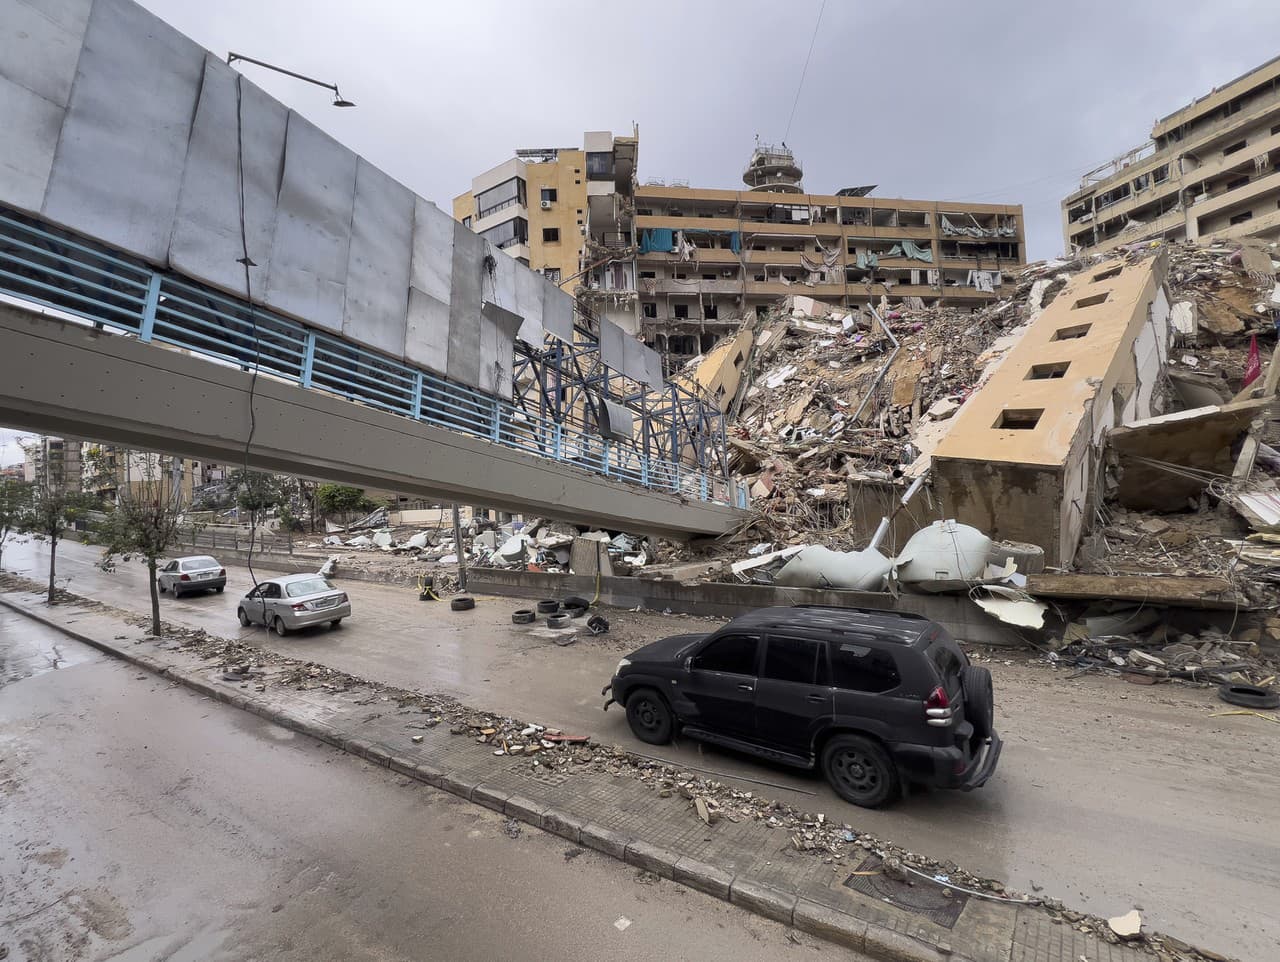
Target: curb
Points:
(878, 942)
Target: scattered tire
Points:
(979, 700)
(573, 611)
(1249, 696)
(281, 630)
(1028, 557)
(573, 601)
(860, 771)
(548, 606)
(558, 621)
(462, 603)
(649, 717)
(523, 616)
(244, 618)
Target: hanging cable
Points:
(805, 70)
(247, 262)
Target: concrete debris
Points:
(1127, 926)
(815, 566)
(944, 551)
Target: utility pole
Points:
(458, 548)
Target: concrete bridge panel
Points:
(377, 304)
(63, 378)
(312, 242)
(31, 127)
(118, 168)
(54, 31)
(206, 235)
(464, 306)
(557, 312)
(529, 293)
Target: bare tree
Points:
(15, 496)
(50, 510)
(145, 522)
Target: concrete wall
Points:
(120, 128)
(1008, 502)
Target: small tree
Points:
(48, 513)
(341, 499)
(15, 496)
(144, 522)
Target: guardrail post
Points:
(149, 308)
(308, 358)
(495, 428)
(703, 479)
(604, 457)
(557, 442)
(644, 470)
(417, 396)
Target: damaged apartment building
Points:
(1207, 173)
(682, 267)
(1023, 456)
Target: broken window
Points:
(681, 312)
(466, 221)
(737, 361)
(1242, 217)
(600, 165)
(649, 309)
(884, 218)
(1108, 274)
(710, 312)
(552, 274)
(1160, 174)
(1093, 300)
(1233, 148)
(854, 215)
(1071, 333)
(551, 235)
(1142, 182)
(648, 274)
(1048, 372)
(1019, 419)
(1238, 182)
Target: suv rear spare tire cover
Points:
(979, 699)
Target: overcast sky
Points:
(991, 101)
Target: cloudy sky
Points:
(1005, 101)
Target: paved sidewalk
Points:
(746, 862)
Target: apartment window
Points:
(549, 195)
(710, 312)
(551, 235)
(1093, 300)
(1233, 148)
(1048, 372)
(681, 312)
(758, 277)
(650, 310)
(1071, 333)
(1108, 274)
(466, 221)
(1238, 182)
(1275, 129)
(1242, 217)
(708, 277)
(600, 165)
(1019, 419)
(1161, 173)
(552, 274)
(506, 194)
(649, 275)
(514, 231)
(737, 361)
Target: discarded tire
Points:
(558, 621)
(1028, 557)
(523, 616)
(548, 606)
(462, 603)
(1249, 696)
(597, 625)
(573, 601)
(979, 699)
(573, 611)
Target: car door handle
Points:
(745, 688)
(817, 698)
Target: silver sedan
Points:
(196, 573)
(294, 601)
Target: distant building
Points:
(1208, 172)
(566, 212)
(107, 468)
(52, 463)
(680, 267)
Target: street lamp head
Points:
(338, 101)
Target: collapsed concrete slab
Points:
(1022, 454)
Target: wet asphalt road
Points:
(1108, 796)
(139, 821)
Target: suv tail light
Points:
(937, 708)
(184, 577)
(301, 606)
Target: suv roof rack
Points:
(868, 611)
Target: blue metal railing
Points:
(42, 266)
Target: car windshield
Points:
(195, 564)
(311, 586)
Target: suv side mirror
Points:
(688, 663)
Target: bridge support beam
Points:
(62, 378)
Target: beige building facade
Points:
(1090, 362)
(1208, 172)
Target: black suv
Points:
(875, 698)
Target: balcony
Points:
(692, 286)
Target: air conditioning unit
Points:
(546, 205)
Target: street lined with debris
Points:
(1087, 759)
